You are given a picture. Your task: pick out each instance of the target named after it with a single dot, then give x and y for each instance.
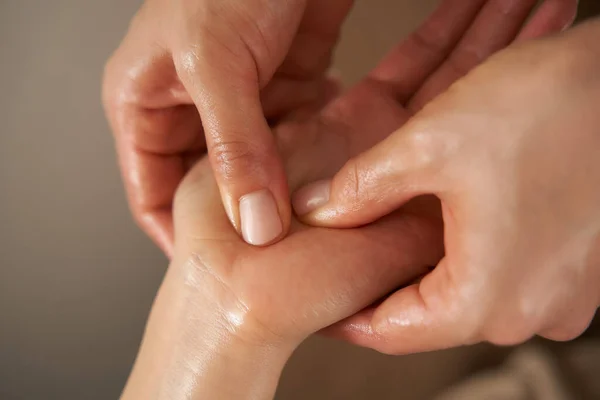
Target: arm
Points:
(229, 312)
(193, 350)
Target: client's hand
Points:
(228, 314)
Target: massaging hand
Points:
(240, 64)
(513, 152)
(229, 312)
(209, 74)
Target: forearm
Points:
(189, 352)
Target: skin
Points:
(214, 76)
(231, 312)
(511, 151)
(209, 76)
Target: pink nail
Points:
(261, 223)
(311, 197)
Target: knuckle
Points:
(201, 43)
(428, 39)
(235, 159)
(426, 148)
(354, 189)
(509, 333)
(140, 217)
(565, 334)
(144, 219)
(121, 89)
(121, 80)
(188, 60)
(109, 84)
(570, 330)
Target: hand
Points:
(226, 307)
(512, 153)
(229, 312)
(227, 66)
(186, 59)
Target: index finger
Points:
(156, 129)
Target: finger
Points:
(152, 167)
(408, 66)
(241, 147)
(358, 329)
(570, 328)
(311, 51)
(497, 25)
(434, 314)
(224, 65)
(153, 128)
(407, 164)
(572, 316)
(553, 16)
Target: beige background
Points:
(76, 275)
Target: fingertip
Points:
(409, 325)
(253, 187)
(260, 220)
(358, 330)
(403, 310)
(159, 225)
(322, 204)
(258, 217)
(311, 197)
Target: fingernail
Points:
(260, 219)
(311, 197)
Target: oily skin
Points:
(512, 152)
(209, 75)
(230, 312)
(196, 76)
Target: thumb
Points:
(434, 314)
(225, 87)
(371, 185)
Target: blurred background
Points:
(77, 277)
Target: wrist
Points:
(193, 349)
